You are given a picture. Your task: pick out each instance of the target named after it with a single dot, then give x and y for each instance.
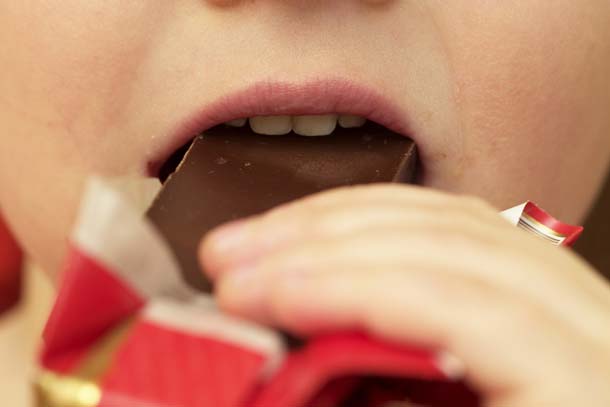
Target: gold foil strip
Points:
(531, 225)
(81, 387)
(98, 359)
(53, 390)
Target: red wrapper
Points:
(533, 219)
(126, 331)
(10, 268)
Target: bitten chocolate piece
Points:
(231, 173)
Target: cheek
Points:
(64, 90)
(532, 93)
(72, 70)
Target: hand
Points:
(530, 321)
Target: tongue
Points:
(230, 173)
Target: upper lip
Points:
(270, 98)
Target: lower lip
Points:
(282, 98)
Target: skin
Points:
(530, 322)
(508, 101)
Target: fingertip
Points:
(219, 245)
(205, 255)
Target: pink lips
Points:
(281, 98)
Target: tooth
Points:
(237, 123)
(271, 125)
(350, 121)
(322, 125)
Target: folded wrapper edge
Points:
(130, 269)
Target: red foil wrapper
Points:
(10, 268)
(535, 220)
(127, 331)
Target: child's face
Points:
(507, 100)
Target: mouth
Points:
(315, 109)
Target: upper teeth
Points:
(320, 125)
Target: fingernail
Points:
(229, 237)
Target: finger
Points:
(263, 237)
(366, 251)
(464, 316)
(243, 240)
(372, 193)
(460, 247)
(405, 196)
(346, 212)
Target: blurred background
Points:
(595, 242)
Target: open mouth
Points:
(316, 109)
(328, 125)
(245, 167)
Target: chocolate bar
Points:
(231, 173)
